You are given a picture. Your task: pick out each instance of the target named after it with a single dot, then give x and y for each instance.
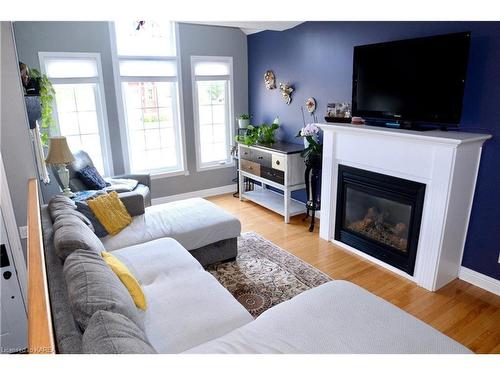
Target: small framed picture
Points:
(342, 110)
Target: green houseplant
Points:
(244, 120)
(47, 95)
(263, 134)
(250, 137)
(266, 133)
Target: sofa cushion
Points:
(136, 201)
(93, 286)
(186, 305)
(110, 211)
(70, 212)
(187, 310)
(61, 201)
(91, 178)
(112, 333)
(70, 234)
(158, 258)
(127, 278)
(193, 222)
(85, 210)
(336, 317)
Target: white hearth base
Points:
(447, 162)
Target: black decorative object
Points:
(313, 183)
(34, 109)
(345, 120)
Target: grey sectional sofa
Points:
(190, 312)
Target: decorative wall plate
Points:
(286, 92)
(270, 80)
(311, 105)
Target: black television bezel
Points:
(399, 119)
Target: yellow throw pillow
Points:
(110, 211)
(126, 277)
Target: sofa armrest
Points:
(143, 178)
(134, 202)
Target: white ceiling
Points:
(249, 27)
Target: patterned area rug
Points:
(264, 275)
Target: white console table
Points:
(279, 166)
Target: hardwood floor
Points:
(464, 312)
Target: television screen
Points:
(411, 81)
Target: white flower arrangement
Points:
(310, 130)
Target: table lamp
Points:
(60, 155)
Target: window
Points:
(213, 102)
(147, 66)
(79, 103)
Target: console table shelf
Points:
(273, 201)
(279, 166)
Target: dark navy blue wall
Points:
(316, 57)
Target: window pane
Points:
(139, 68)
(68, 123)
(78, 119)
(152, 127)
(85, 97)
(65, 98)
(88, 122)
(211, 68)
(148, 39)
(71, 68)
(213, 124)
(165, 116)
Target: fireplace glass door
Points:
(379, 215)
(382, 220)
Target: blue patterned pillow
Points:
(91, 178)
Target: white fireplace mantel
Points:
(446, 161)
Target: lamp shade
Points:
(59, 152)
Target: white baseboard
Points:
(196, 194)
(478, 279)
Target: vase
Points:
(243, 123)
(306, 142)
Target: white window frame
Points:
(120, 99)
(230, 111)
(102, 121)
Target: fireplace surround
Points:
(445, 162)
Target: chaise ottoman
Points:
(208, 232)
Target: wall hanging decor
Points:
(310, 105)
(286, 92)
(270, 80)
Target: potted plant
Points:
(312, 148)
(244, 120)
(47, 94)
(312, 155)
(250, 137)
(263, 134)
(266, 133)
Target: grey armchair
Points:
(140, 196)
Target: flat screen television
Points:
(411, 82)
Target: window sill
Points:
(218, 166)
(160, 175)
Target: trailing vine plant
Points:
(47, 94)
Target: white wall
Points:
(15, 143)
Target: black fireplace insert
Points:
(379, 215)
